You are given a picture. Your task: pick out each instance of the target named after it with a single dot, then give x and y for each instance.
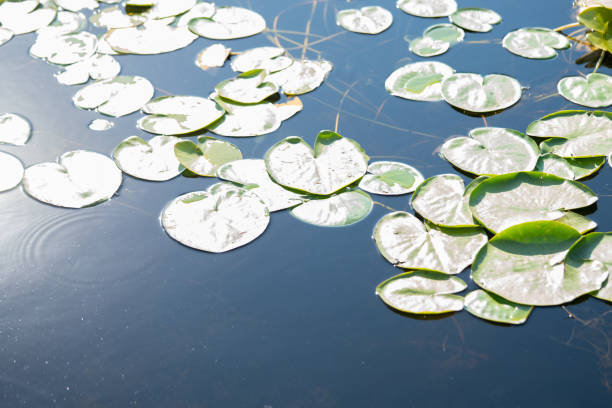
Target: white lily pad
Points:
(169, 8)
(119, 96)
(77, 5)
(14, 129)
(65, 49)
(339, 210)
(367, 20)
(428, 47)
(491, 307)
(23, 17)
(213, 56)
(569, 168)
(217, 221)
(79, 179)
(228, 23)
(153, 160)
(249, 87)
(11, 171)
(592, 252)
(270, 59)
(287, 109)
(149, 39)
(97, 67)
(445, 32)
(474, 93)
(205, 157)
(5, 35)
(335, 163)
(302, 76)
(390, 178)
(247, 120)
(594, 91)
(475, 19)
(535, 42)
(66, 22)
(100, 125)
(419, 81)
(428, 8)
(114, 17)
(492, 150)
(201, 9)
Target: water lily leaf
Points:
(14, 129)
(428, 47)
(474, 93)
(335, 163)
(162, 9)
(367, 20)
(592, 252)
(77, 5)
(428, 8)
(510, 199)
(246, 120)
(213, 56)
(228, 23)
(97, 67)
(288, 109)
(422, 292)
(248, 87)
(535, 42)
(596, 18)
(339, 210)
(66, 22)
(65, 49)
(475, 19)
(445, 32)
(5, 35)
(405, 242)
(23, 17)
(201, 9)
(205, 157)
(149, 39)
(390, 178)
(601, 40)
(100, 125)
(11, 171)
(79, 179)
(569, 168)
(441, 200)
(153, 160)
(119, 96)
(419, 81)
(302, 76)
(524, 264)
(270, 59)
(114, 17)
(253, 173)
(491, 307)
(178, 115)
(492, 150)
(216, 221)
(594, 91)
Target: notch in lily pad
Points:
(205, 157)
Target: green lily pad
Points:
(390, 178)
(428, 8)
(474, 93)
(475, 19)
(592, 252)
(428, 47)
(442, 200)
(201, 9)
(114, 17)
(335, 163)
(596, 18)
(153, 160)
(118, 96)
(594, 91)
(524, 264)
(405, 242)
(97, 67)
(248, 87)
(247, 120)
(79, 179)
(270, 59)
(65, 49)
(445, 32)
(422, 292)
(510, 199)
(419, 81)
(228, 23)
(23, 17)
(11, 171)
(535, 42)
(491, 307)
(569, 168)
(600, 40)
(14, 129)
(367, 20)
(205, 157)
(216, 221)
(492, 150)
(339, 210)
(149, 39)
(301, 76)
(213, 56)
(5, 35)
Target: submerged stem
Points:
(565, 27)
(600, 60)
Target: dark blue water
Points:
(100, 308)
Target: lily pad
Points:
(65, 49)
(535, 42)
(596, 18)
(270, 59)
(474, 93)
(592, 252)
(153, 160)
(339, 210)
(162, 9)
(149, 39)
(178, 115)
(5, 35)
(445, 32)
(213, 56)
(594, 91)
(419, 81)
(287, 109)
(247, 120)
(79, 179)
(119, 96)
(216, 221)
(335, 163)
(100, 125)
(510, 199)
(201, 9)
(524, 264)
(228, 23)
(14, 129)
(23, 17)
(11, 171)
(114, 17)
(302, 76)
(428, 8)
(569, 168)
(475, 19)
(66, 22)
(367, 20)
(390, 178)
(97, 67)
(248, 87)
(491, 307)
(422, 292)
(205, 157)
(77, 5)
(405, 242)
(492, 150)
(428, 47)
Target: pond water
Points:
(100, 307)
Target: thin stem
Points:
(600, 60)
(565, 27)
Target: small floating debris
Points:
(101, 125)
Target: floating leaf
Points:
(11, 171)
(475, 19)
(149, 39)
(420, 81)
(247, 120)
(97, 67)
(113, 17)
(428, 8)
(66, 22)
(491, 307)
(270, 59)
(492, 150)
(569, 168)
(535, 42)
(79, 179)
(216, 221)
(596, 18)
(288, 109)
(589, 254)
(248, 87)
(178, 115)
(119, 96)
(445, 32)
(390, 178)
(367, 20)
(100, 125)
(594, 91)
(404, 241)
(600, 40)
(5, 35)
(205, 157)
(14, 129)
(77, 5)
(153, 160)
(213, 56)
(524, 264)
(422, 292)
(335, 163)
(25, 16)
(65, 49)
(228, 23)
(201, 9)
(339, 210)
(302, 76)
(510, 199)
(169, 8)
(474, 93)
(428, 47)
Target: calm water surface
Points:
(100, 308)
